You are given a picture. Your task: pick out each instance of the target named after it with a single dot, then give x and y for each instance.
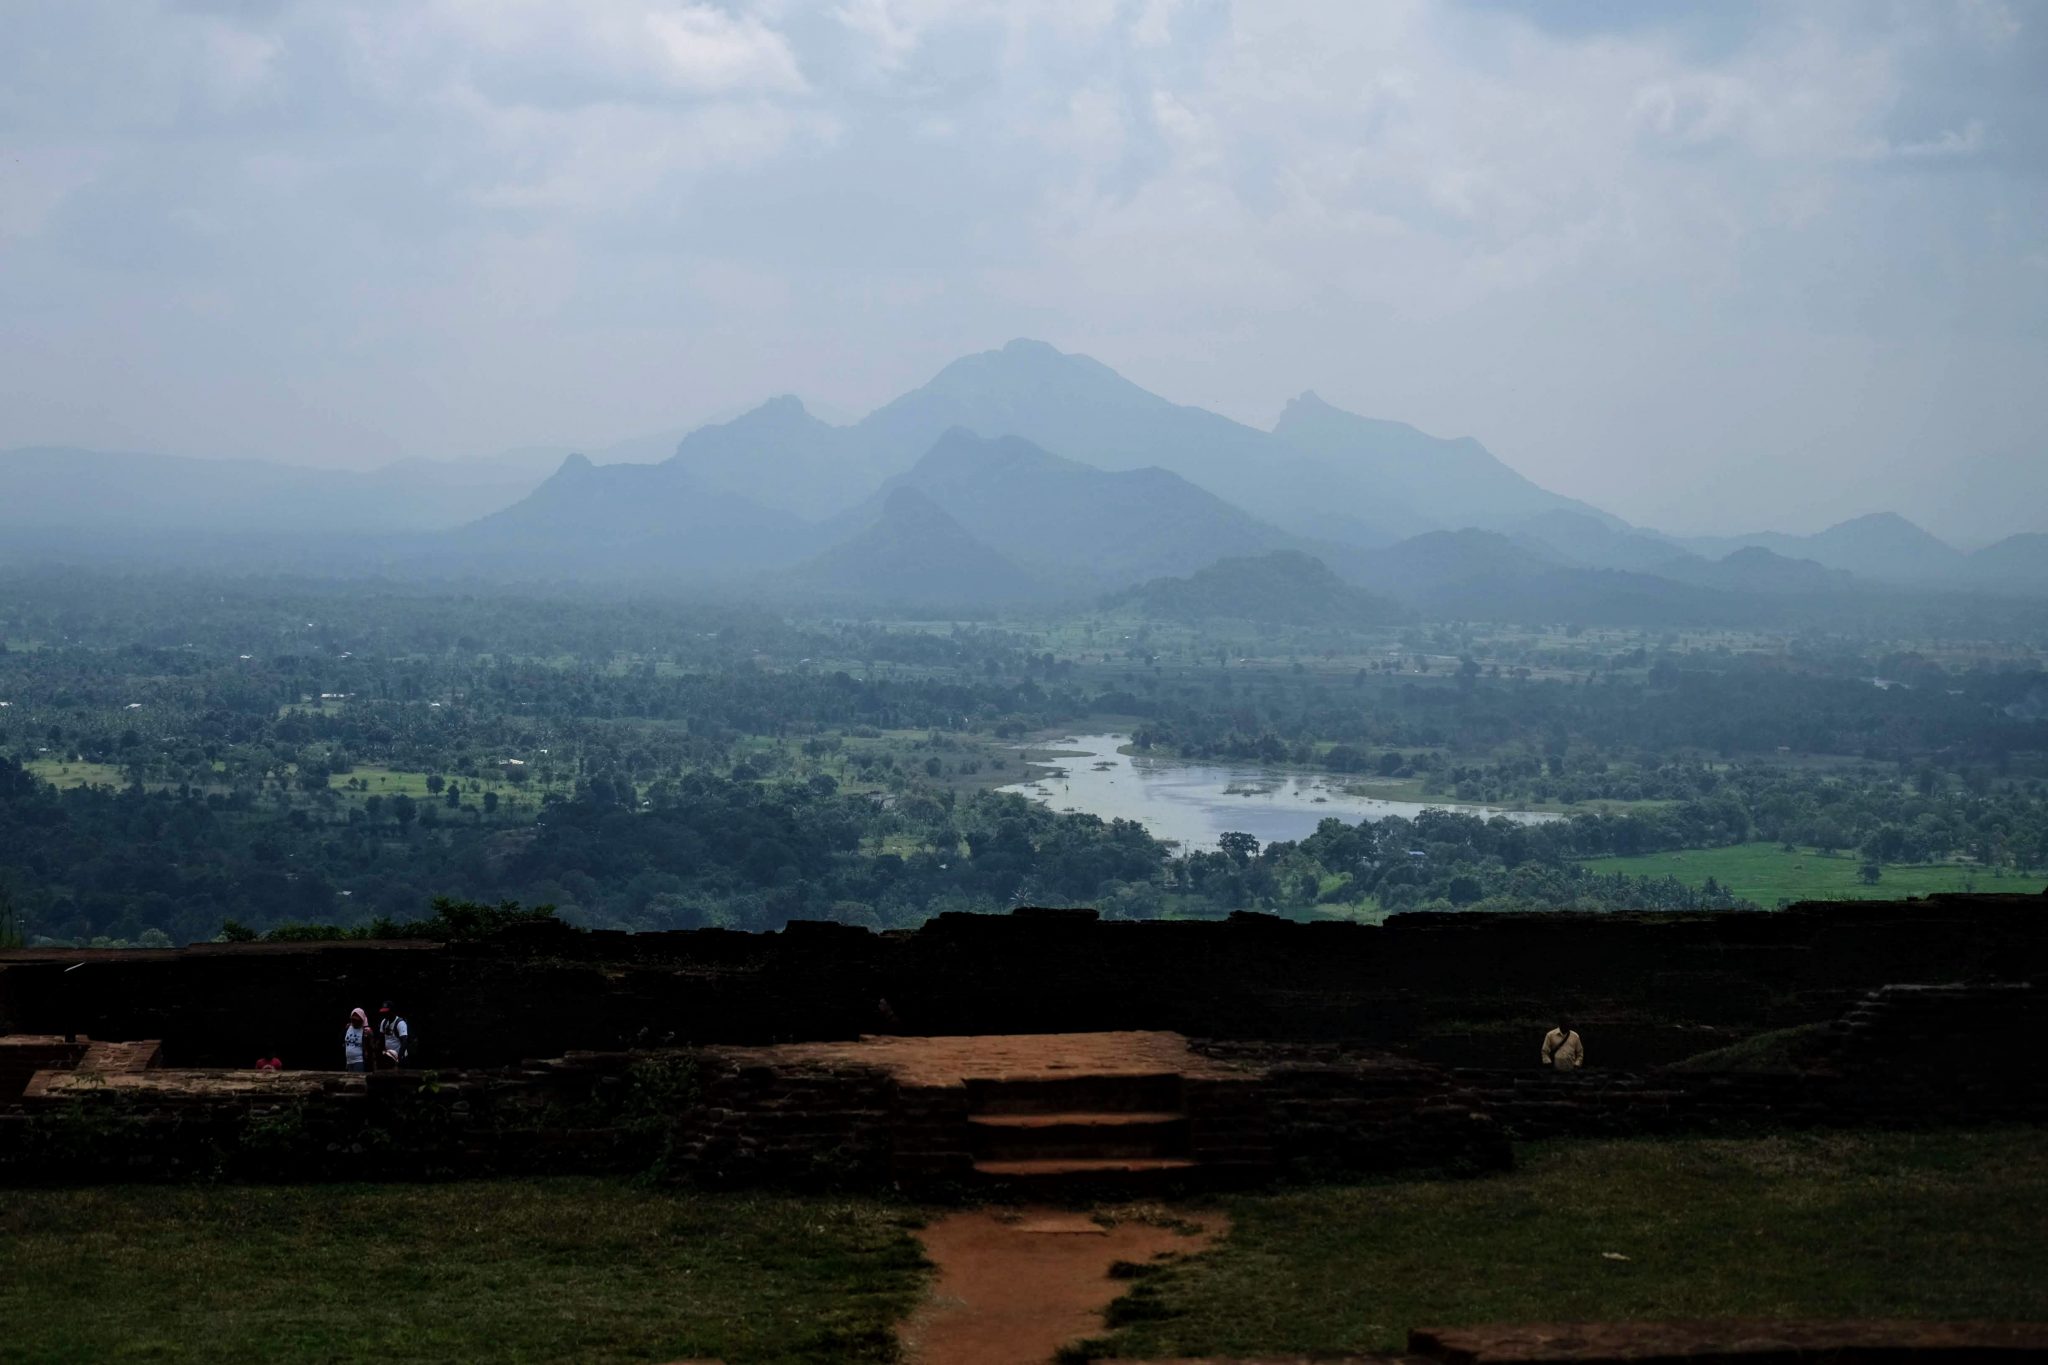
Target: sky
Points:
(1714, 267)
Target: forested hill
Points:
(1286, 586)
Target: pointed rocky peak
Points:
(574, 466)
(782, 413)
(1303, 406)
(783, 407)
(1311, 417)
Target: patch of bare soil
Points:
(1014, 1285)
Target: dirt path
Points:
(1014, 1285)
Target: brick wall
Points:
(1456, 989)
(22, 1056)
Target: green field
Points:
(582, 1270)
(64, 775)
(389, 782)
(1766, 874)
(1941, 1225)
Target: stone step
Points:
(1095, 1094)
(1110, 1118)
(1135, 1133)
(1063, 1168)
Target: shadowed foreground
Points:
(1931, 1225)
(1939, 1225)
(507, 1271)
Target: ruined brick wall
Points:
(1454, 989)
(22, 1056)
(1900, 1057)
(809, 1127)
(590, 1112)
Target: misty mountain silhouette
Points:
(912, 552)
(1324, 474)
(2016, 564)
(1286, 586)
(1077, 526)
(1585, 539)
(1435, 482)
(782, 457)
(624, 521)
(1440, 559)
(1882, 546)
(1053, 462)
(1755, 569)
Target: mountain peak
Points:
(1310, 416)
(914, 550)
(1026, 365)
(574, 464)
(1306, 403)
(1882, 521)
(1284, 585)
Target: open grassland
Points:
(63, 774)
(372, 779)
(1766, 874)
(1886, 1226)
(580, 1270)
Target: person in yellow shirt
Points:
(1562, 1048)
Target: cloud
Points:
(1626, 245)
(1951, 142)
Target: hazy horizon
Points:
(1715, 269)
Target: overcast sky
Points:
(1713, 267)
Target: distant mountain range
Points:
(1019, 474)
(1321, 473)
(625, 521)
(1883, 546)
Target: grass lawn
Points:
(1945, 1225)
(583, 1270)
(64, 775)
(1766, 874)
(521, 798)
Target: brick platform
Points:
(1734, 1342)
(1005, 1057)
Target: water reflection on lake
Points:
(1193, 803)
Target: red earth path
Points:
(1014, 1285)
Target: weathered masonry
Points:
(1011, 1051)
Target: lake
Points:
(1193, 803)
